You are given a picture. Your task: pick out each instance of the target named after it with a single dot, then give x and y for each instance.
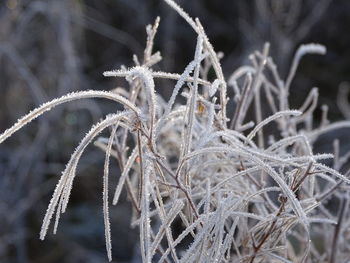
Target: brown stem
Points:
(141, 166)
(337, 231)
(269, 232)
(306, 173)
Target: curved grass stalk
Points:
(105, 195)
(270, 119)
(66, 98)
(63, 187)
(302, 51)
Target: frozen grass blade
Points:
(235, 197)
(105, 195)
(66, 98)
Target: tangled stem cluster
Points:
(245, 187)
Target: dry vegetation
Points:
(246, 187)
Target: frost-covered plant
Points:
(243, 191)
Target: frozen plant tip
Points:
(244, 188)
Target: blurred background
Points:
(51, 47)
